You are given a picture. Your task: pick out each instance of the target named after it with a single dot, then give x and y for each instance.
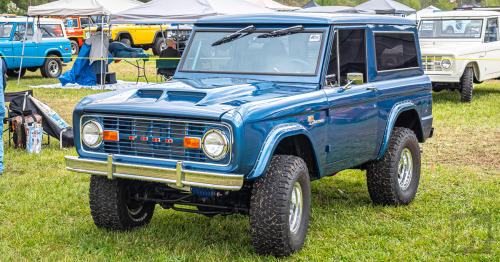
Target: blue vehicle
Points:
(48, 55)
(260, 106)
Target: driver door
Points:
(353, 113)
(30, 48)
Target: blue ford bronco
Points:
(48, 55)
(260, 106)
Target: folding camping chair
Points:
(8, 97)
(166, 64)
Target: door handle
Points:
(373, 88)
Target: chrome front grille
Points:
(156, 138)
(432, 63)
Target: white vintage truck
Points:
(460, 48)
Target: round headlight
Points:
(214, 144)
(92, 134)
(445, 64)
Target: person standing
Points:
(99, 44)
(2, 110)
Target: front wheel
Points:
(158, 46)
(112, 208)
(467, 81)
(52, 67)
(393, 179)
(280, 207)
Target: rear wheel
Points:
(75, 48)
(467, 81)
(111, 207)
(52, 67)
(280, 207)
(393, 179)
(126, 41)
(15, 72)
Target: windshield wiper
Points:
(282, 32)
(233, 36)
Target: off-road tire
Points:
(157, 46)
(382, 174)
(467, 83)
(75, 48)
(15, 72)
(270, 207)
(126, 41)
(52, 67)
(109, 205)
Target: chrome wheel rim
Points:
(163, 46)
(73, 49)
(405, 169)
(295, 208)
(53, 67)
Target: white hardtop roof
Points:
(31, 19)
(463, 13)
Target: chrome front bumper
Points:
(177, 177)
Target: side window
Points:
(395, 51)
(6, 30)
(84, 21)
(491, 34)
(51, 31)
(348, 54)
(71, 23)
(21, 30)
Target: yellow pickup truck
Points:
(144, 36)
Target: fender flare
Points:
(158, 34)
(274, 137)
(55, 50)
(124, 33)
(396, 110)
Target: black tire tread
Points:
(106, 205)
(380, 181)
(467, 81)
(269, 215)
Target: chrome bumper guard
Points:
(178, 176)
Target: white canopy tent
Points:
(185, 11)
(82, 7)
(425, 11)
(273, 5)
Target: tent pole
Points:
(162, 35)
(22, 54)
(102, 55)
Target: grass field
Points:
(45, 215)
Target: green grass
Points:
(45, 215)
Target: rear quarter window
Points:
(395, 51)
(51, 30)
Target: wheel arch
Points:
(289, 139)
(404, 114)
(159, 35)
(475, 71)
(53, 52)
(124, 34)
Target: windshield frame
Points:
(256, 31)
(449, 19)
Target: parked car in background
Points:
(460, 48)
(260, 106)
(146, 36)
(75, 31)
(47, 56)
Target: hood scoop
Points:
(193, 97)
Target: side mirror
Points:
(353, 78)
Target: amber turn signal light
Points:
(110, 135)
(191, 142)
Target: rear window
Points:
(395, 51)
(51, 31)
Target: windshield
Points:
(451, 28)
(295, 53)
(5, 30)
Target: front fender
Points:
(274, 137)
(396, 110)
